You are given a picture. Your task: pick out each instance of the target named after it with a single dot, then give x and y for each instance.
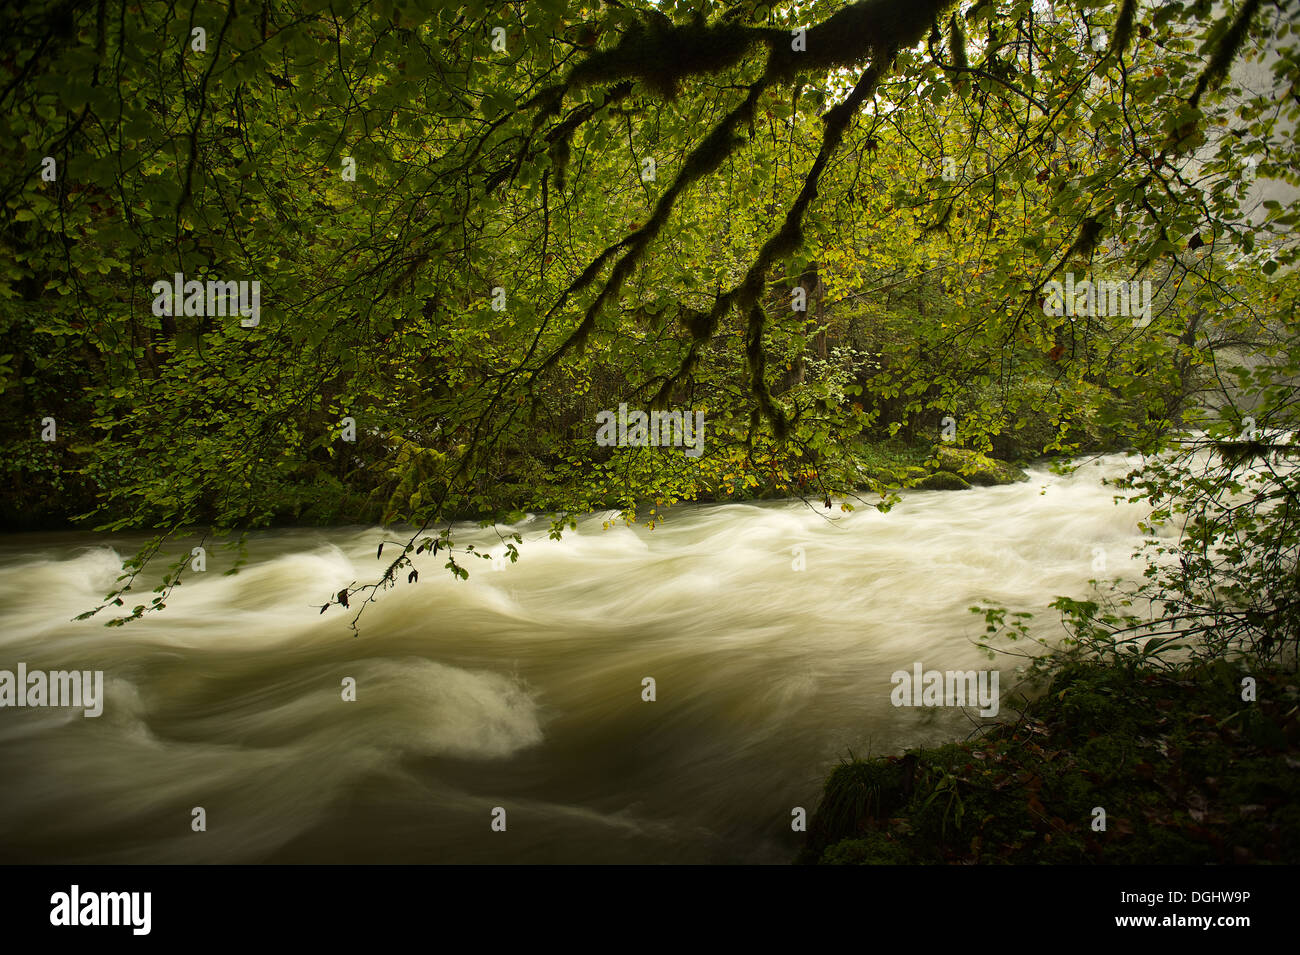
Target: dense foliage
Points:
(477, 228)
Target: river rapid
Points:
(770, 630)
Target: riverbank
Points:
(1185, 771)
(317, 499)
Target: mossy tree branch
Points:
(660, 55)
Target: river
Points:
(521, 688)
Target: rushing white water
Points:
(521, 688)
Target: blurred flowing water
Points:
(521, 687)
